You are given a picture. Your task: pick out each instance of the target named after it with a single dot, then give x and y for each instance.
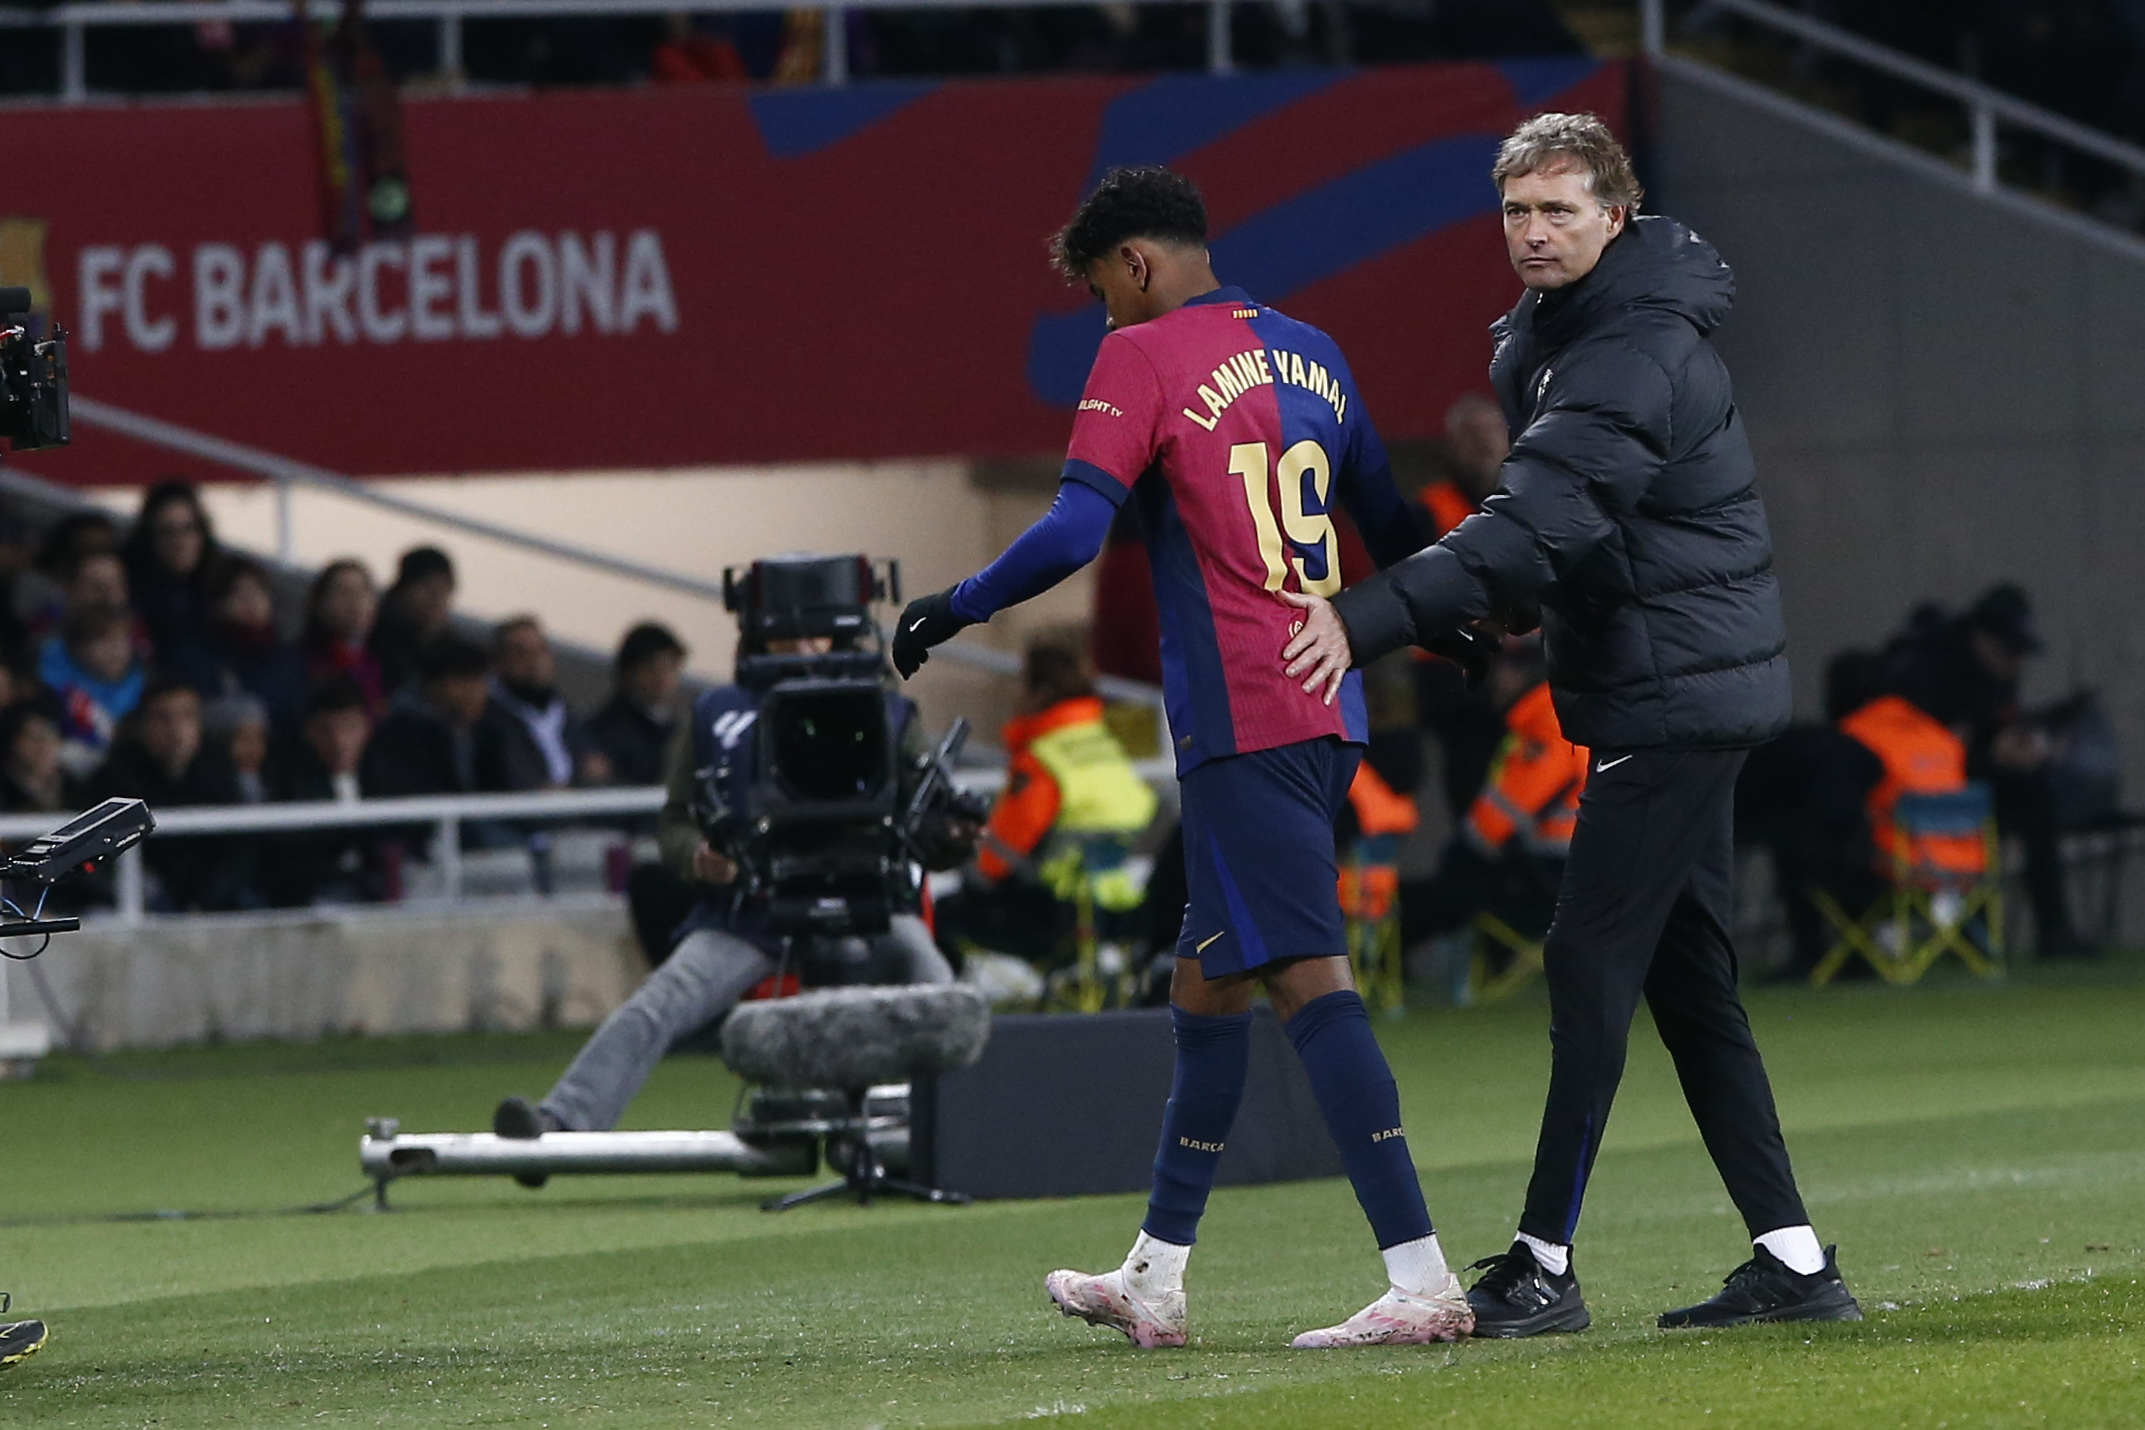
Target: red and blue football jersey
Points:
(1236, 432)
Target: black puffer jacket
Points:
(1626, 512)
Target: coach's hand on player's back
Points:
(1318, 651)
(928, 621)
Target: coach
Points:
(1627, 517)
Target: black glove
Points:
(928, 621)
(1467, 648)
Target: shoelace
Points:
(1503, 1273)
(1749, 1271)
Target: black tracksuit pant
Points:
(1644, 909)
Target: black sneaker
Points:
(19, 1340)
(1516, 1297)
(523, 1121)
(1764, 1289)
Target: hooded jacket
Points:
(1626, 513)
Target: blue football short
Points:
(1258, 856)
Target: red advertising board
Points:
(672, 277)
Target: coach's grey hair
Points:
(1548, 140)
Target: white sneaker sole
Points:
(1394, 1320)
(1093, 1300)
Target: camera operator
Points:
(726, 945)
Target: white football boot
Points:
(1399, 1319)
(1106, 1300)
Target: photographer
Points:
(728, 944)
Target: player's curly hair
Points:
(1147, 202)
(1548, 140)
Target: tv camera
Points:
(33, 378)
(829, 823)
(77, 846)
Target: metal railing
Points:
(73, 21)
(1986, 108)
(284, 474)
(446, 815)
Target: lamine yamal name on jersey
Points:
(1262, 367)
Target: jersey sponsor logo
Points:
(1096, 404)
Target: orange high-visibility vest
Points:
(1920, 756)
(1448, 505)
(1370, 881)
(1534, 785)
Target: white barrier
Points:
(445, 813)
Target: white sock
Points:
(1154, 1268)
(1554, 1259)
(1797, 1248)
(1417, 1267)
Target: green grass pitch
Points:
(1978, 1152)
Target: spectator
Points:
(1473, 453)
(688, 54)
(1508, 854)
(31, 776)
(415, 609)
(169, 555)
(339, 615)
(1805, 799)
(435, 739)
(163, 760)
(93, 672)
(96, 578)
(1964, 671)
(92, 578)
(245, 651)
(238, 725)
(342, 866)
(541, 744)
(633, 729)
(40, 599)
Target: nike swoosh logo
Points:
(1202, 947)
(1610, 764)
(919, 625)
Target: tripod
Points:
(865, 1175)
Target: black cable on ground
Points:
(108, 1218)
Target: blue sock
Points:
(1213, 1055)
(1361, 1103)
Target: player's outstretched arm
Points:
(1069, 536)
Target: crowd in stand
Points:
(782, 46)
(156, 665)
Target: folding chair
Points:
(1094, 874)
(1945, 895)
(1488, 984)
